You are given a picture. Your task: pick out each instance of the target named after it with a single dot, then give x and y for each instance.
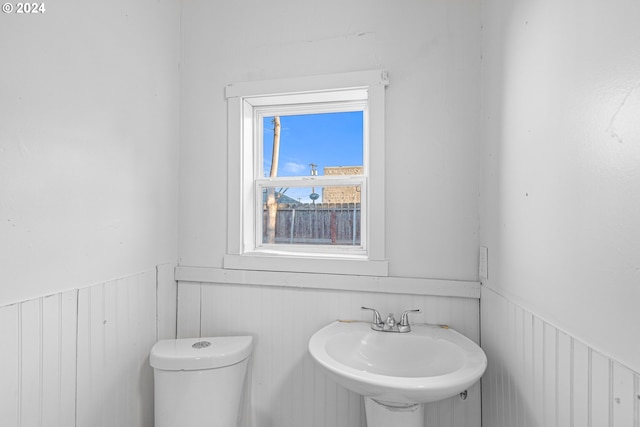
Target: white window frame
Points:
(247, 104)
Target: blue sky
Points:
(327, 139)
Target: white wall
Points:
(80, 358)
(561, 180)
(540, 376)
(88, 144)
(88, 193)
(560, 192)
(431, 51)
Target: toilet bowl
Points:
(199, 381)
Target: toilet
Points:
(199, 381)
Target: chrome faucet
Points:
(390, 324)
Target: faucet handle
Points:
(404, 319)
(377, 320)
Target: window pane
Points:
(292, 216)
(311, 144)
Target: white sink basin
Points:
(428, 364)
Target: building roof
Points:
(281, 198)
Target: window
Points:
(306, 174)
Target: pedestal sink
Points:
(398, 372)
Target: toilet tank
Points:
(199, 381)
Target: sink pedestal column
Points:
(381, 415)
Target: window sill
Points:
(301, 264)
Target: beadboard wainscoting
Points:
(80, 358)
(287, 389)
(539, 376)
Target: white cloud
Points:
(294, 168)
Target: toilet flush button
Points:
(201, 344)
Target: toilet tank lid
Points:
(190, 354)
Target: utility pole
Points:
(314, 172)
(272, 203)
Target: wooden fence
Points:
(316, 224)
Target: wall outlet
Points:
(483, 263)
